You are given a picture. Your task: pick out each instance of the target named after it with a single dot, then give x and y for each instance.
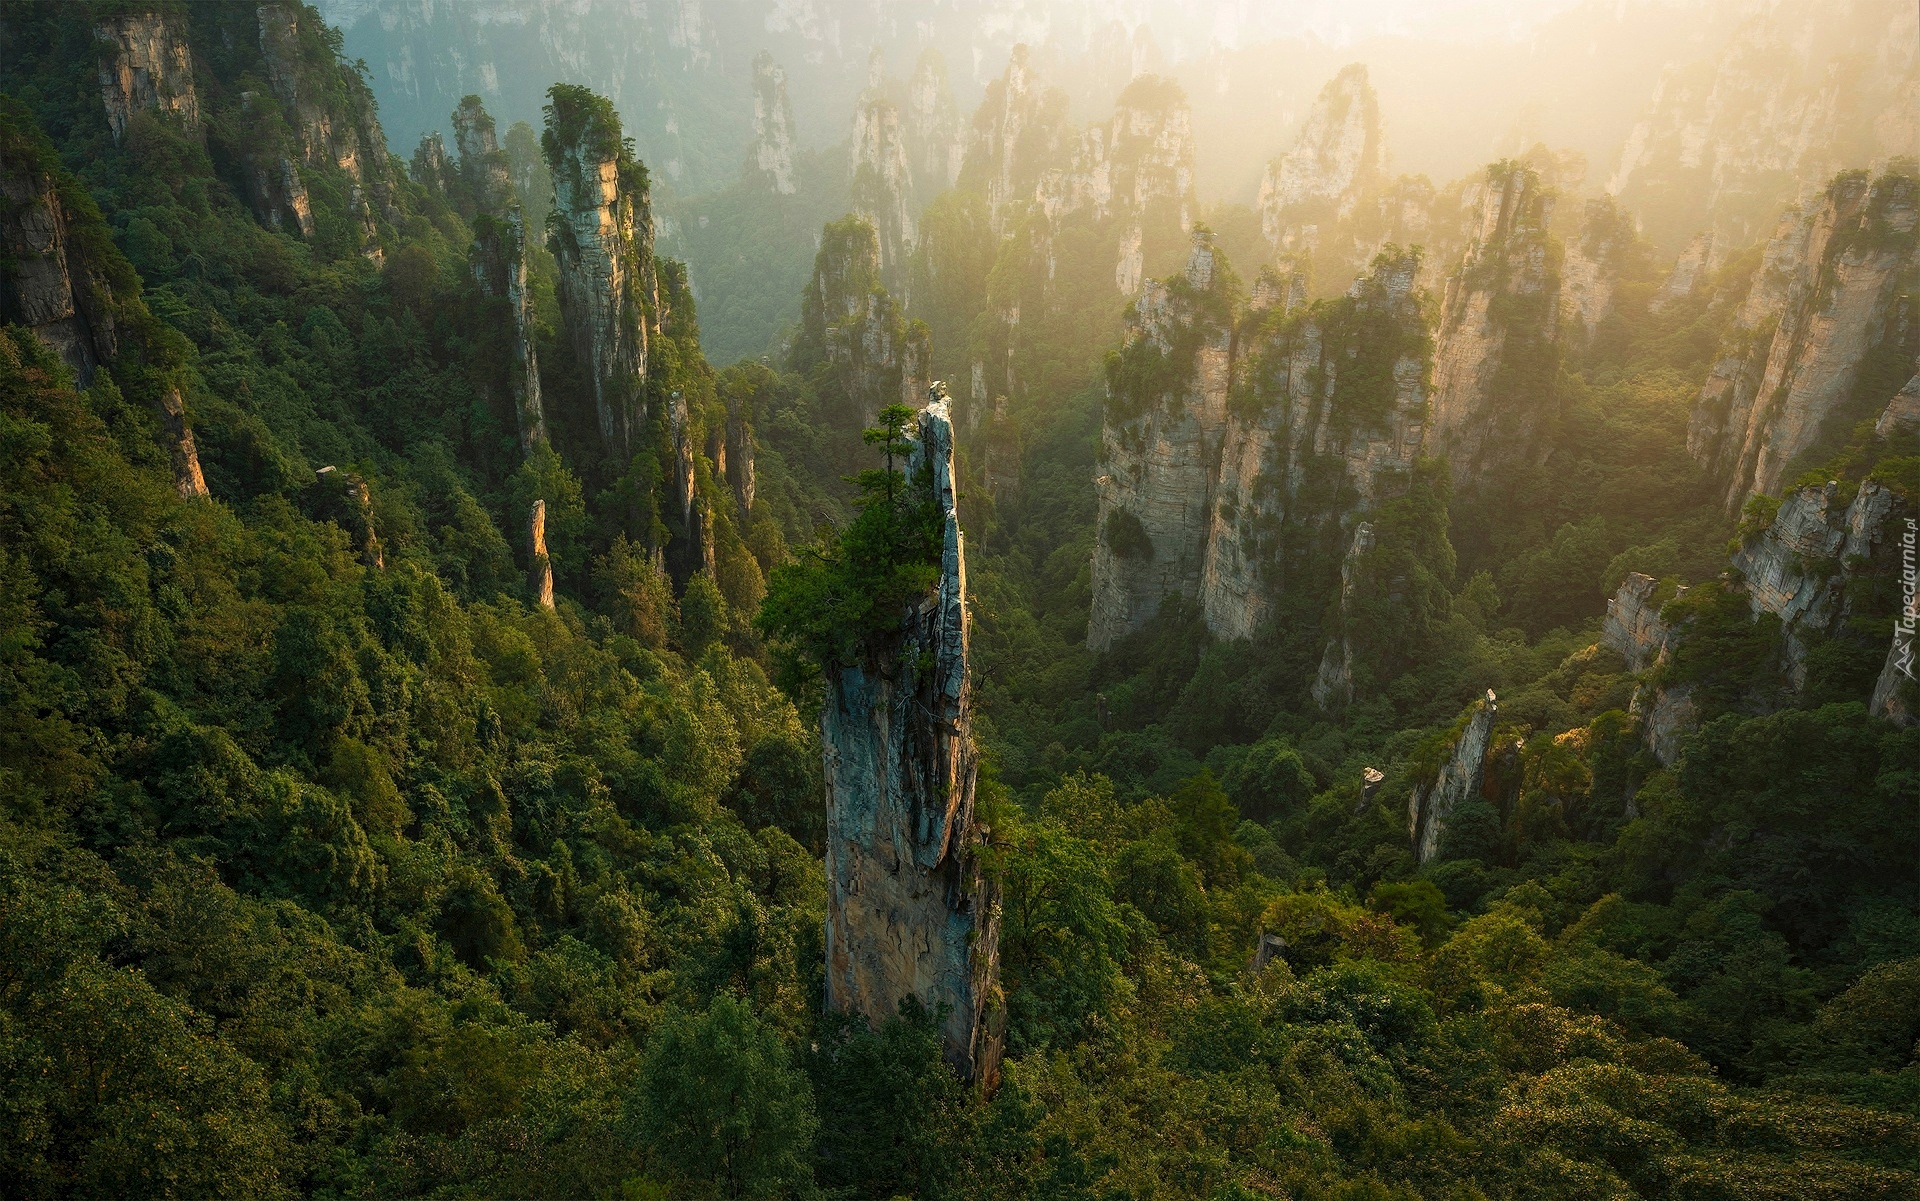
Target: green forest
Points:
(336, 862)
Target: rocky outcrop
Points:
(1633, 627)
(1339, 156)
(1803, 88)
(601, 235)
(1018, 133)
(146, 65)
(1493, 373)
(1234, 505)
(910, 911)
(1590, 269)
(1166, 419)
(431, 167)
(1799, 567)
(1834, 290)
(178, 435)
(882, 188)
(331, 116)
(498, 259)
(935, 146)
(773, 137)
(1456, 778)
(1333, 683)
(1667, 718)
(540, 577)
(1690, 271)
(1902, 414)
(850, 323)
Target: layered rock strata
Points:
(910, 910)
(1834, 291)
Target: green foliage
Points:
(721, 1106)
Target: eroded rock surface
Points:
(910, 911)
(1457, 779)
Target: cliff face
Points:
(850, 323)
(145, 64)
(882, 188)
(602, 240)
(331, 116)
(1494, 365)
(1166, 418)
(1340, 155)
(1803, 89)
(1832, 295)
(1633, 626)
(1018, 132)
(498, 259)
(910, 912)
(1590, 269)
(1456, 779)
(935, 146)
(1799, 568)
(1237, 463)
(773, 137)
(48, 287)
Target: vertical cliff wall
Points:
(146, 64)
(1496, 361)
(601, 235)
(498, 258)
(1166, 416)
(1455, 777)
(1829, 312)
(882, 190)
(1339, 155)
(910, 912)
(773, 137)
(851, 326)
(936, 147)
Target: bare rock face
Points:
(1803, 89)
(431, 167)
(1590, 270)
(1834, 289)
(1902, 412)
(1457, 779)
(541, 576)
(910, 911)
(602, 239)
(1666, 719)
(1018, 132)
(773, 137)
(145, 63)
(1689, 271)
(1340, 155)
(1497, 326)
(850, 321)
(1333, 683)
(1161, 442)
(498, 258)
(1633, 626)
(1798, 569)
(1135, 171)
(47, 287)
(882, 189)
(935, 147)
(331, 115)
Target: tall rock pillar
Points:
(910, 911)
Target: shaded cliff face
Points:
(1805, 88)
(773, 138)
(935, 146)
(1496, 359)
(1340, 155)
(1591, 268)
(146, 64)
(48, 286)
(1327, 419)
(601, 235)
(1800, 567)
(1166, 418)
(1633, 627)
(498, 258)
(1456, 778)
(910, 911)
(1828, 317)
(851, 327)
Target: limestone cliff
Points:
(49, 286)
(1018, 132)
(1633, 627)
(1339, 156)
(773, 137)
(1800, 566)
(146, 64)
(498, 259)
(882, 188)
(330, 114)
(1454, 778)
(1829, 309)
(851, 327)
(1333, 683)
(1494, 366)
(910, 910)
(1590, 270)
(601, 236)
(1802, 89)
(1165, 421)
(935, 146)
